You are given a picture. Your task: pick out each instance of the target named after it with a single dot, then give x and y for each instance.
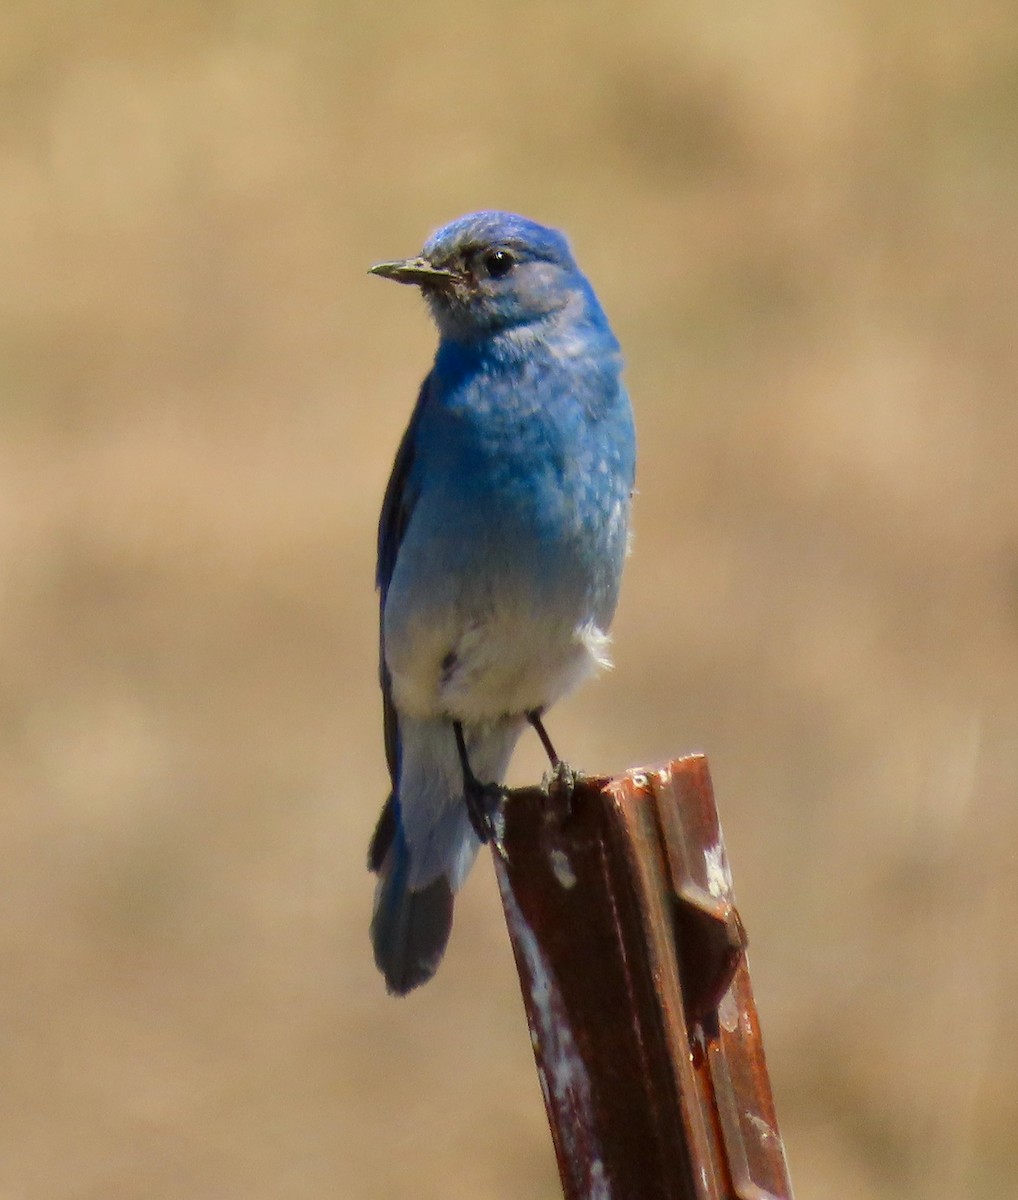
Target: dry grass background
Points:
(801, 219)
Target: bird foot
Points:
(486, 809)
(560, 783)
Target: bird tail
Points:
(424, 844)
(410, 926)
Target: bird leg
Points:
(534, 717)
(483, 800)
(562, 774)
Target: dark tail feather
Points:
(409, 930)
(385, 832)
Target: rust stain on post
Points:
(631, 959)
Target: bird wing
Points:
(397, 509)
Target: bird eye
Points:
(498, 263)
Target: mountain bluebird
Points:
(500, 550)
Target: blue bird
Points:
(500, 549)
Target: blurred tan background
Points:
(802, 221)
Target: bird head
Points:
(493, 271)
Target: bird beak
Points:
(412, 270)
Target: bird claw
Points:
(486, 809)
(561, 779)
(561, 783)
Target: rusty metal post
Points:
(632, 962)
